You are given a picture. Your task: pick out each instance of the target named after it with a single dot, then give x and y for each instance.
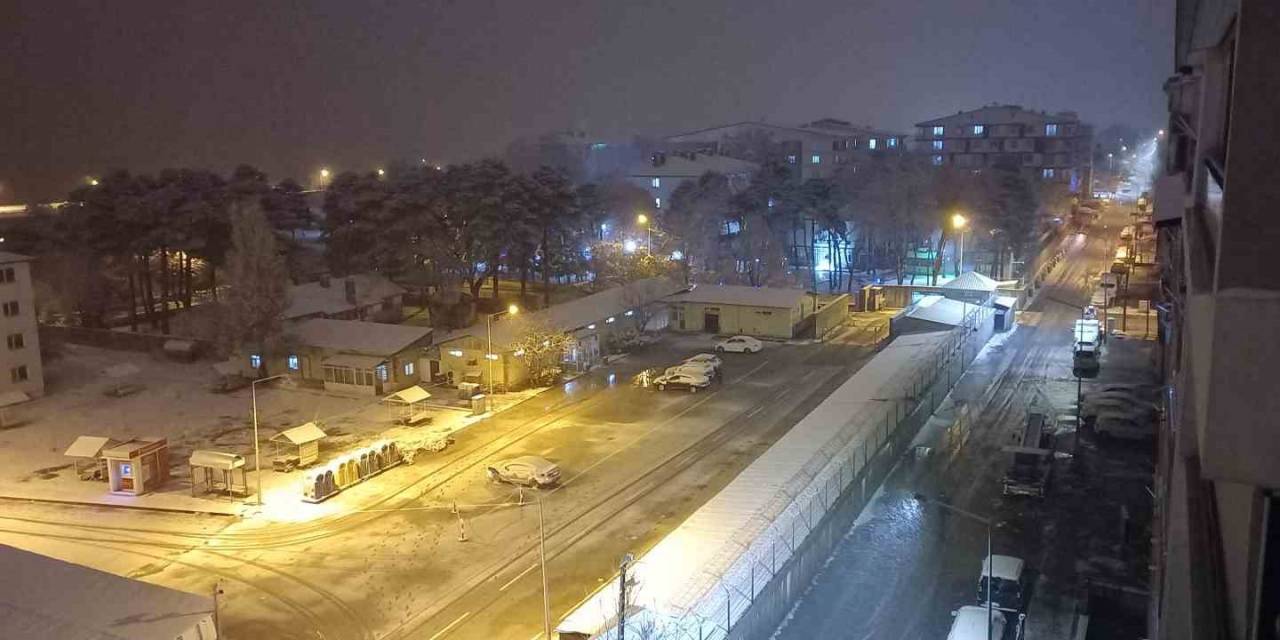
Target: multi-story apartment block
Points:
(815, 150)
(1054, 147)
(1216, 532)
(664, 172)
(20, 364)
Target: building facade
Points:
(1216, 531)
(21, 368)
(733, 310)
(815, 150)
(664, 172)
(1053, 147)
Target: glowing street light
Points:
(324, 173)
(93, 182)
(488, 323)
(642, 219)
(1160, 133)
(382, 172)
(959, 222)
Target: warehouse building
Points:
(737, 310)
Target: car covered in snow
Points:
(739, 344)
(682, 379)
(530, 471)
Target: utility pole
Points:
(542, 559)
(622, 595)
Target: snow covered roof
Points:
(8, 256)
(939, 309)
(972, 281)
(761, 510)
(314, 298)
(1003, 567)
(571, 315)
(678, 166)
(971, 622)
(215, 459)
(50, 599)
(408, 396)
(87, 447)
(1005, 302)
(742, 296)
(370, 338)
(302, 434)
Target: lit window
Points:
(937, 160)
(255, 361)
(1047, 173)
(871, 144)
(979, 129)
(382, 372)
(791, 159)
(656, 182)
(657, 203)
(731, 227)
(937, 145)
(611, 319)
(1051, 129)
(815, 159)
(937, 131)
(408, 368)
(293, 363)
(591, 326)
(770, 203)
(891, 142)
(629, 313)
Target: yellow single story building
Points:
(740, 310)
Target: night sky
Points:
(290, 86)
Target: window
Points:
(871, 144)
(1046, 173)
(937, 161)
(892, 143)
(937, 145)
(655, 183)
(18, 373)
(383, 373)
(657, 203)
(293, 363)
(791, 159)
(408, 368)
(6, 274)
(16, 341)
(731, 227)
(815, 159)
(937, 131)
(255, 361)
(11, 308)
(1051, 129)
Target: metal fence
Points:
(771, 570)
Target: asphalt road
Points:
(906, 565)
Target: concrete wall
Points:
(831, 313)
(761, 321)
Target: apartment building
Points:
(816, 150)
(1216, 534)
(1053, 147)
(664, 172)
(20, 366)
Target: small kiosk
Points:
(137, 466)
(409, 406)
(301, 447)
(217, 471)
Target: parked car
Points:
(696, 368)
(1009, 584)
(970, 623)
(706, 358)
(1127, 405)
(682, 380)
(530, 471)
(1110, 424)
(739, 344)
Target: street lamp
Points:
(257, 458)
(958, 222)
(643, 220)
(488, 323)
(985, 522)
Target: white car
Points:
(530, 471)
(971, 624)
(739, 344)
(696, 368)
(705, 358)
(682, 380)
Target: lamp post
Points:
(959, 222)
(985, 522)
(542, 559)
(643, 220)
(257, 457)
(489, 354)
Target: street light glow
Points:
(642, 219)
(958, 221)
(324, 173)
(93, 182)
(513, 309)
(629, 246)
(382, 172)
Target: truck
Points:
(1031, 466)
(1087, 347)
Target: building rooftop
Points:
(940, 310)
(741, 296)
(313, 298)
(678, 165)
(824, 128)
(972, 281)
(7, 257)
(1001, 114)
(50, 599)
(353, 336)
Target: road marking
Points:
(451, 625)
(753, 412)
(748, 374)
(513, 580)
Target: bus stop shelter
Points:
(217, 471)
(300, 446)
(409, 405)
(87, 451)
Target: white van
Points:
(971, 624)
(1009, 582)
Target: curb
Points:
(83, 503)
